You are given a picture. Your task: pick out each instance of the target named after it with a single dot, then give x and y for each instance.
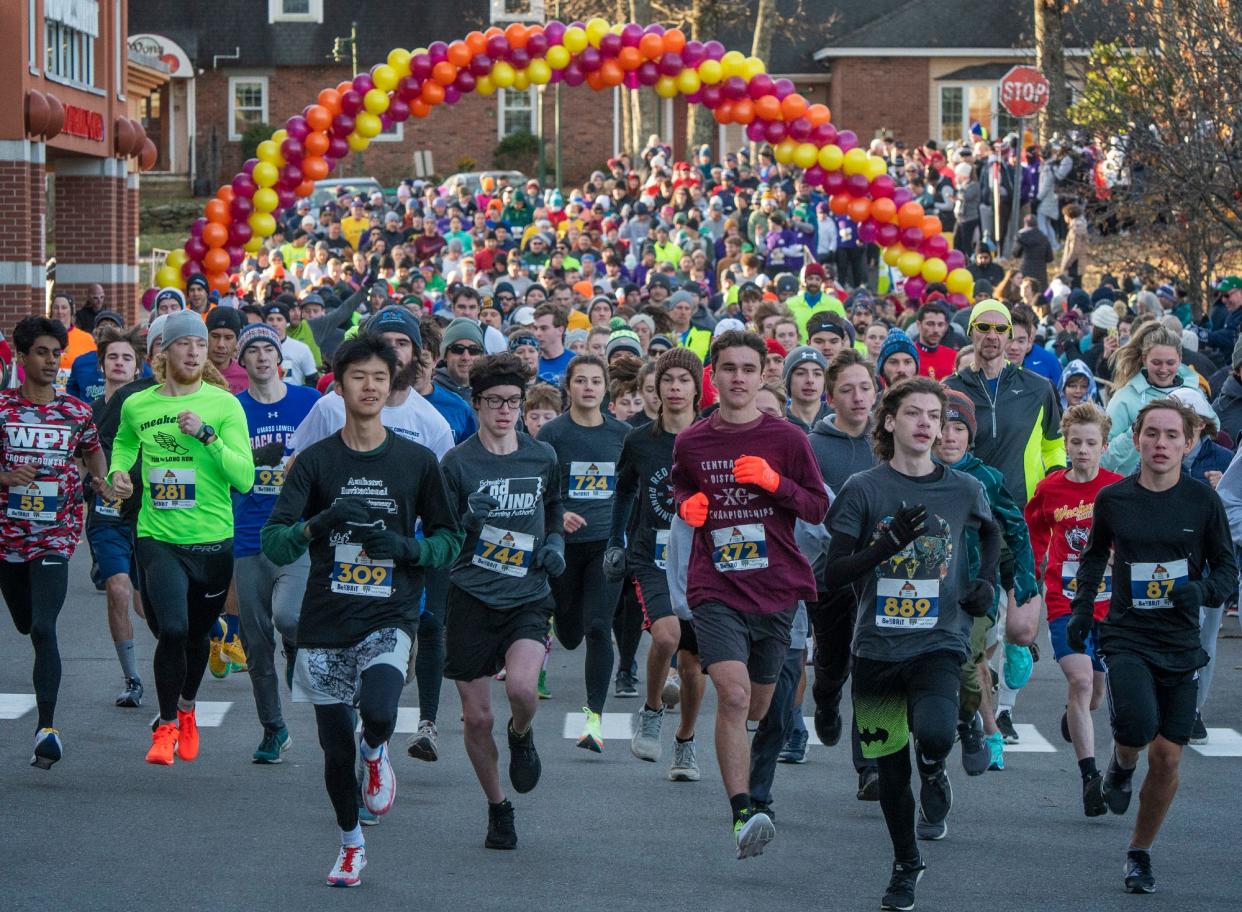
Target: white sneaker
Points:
(379, 786)
(645, 745)
(347, 872)
(422, 744)
(753, 835)
(670, 696)
(685, 765)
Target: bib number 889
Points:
(907, 608)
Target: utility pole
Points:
(556, 115)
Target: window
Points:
(966, 104)
(396, 133)
(295, 11)
(247, 104)
(517, 10)
(70, 53)
(32, 37)
(950, 113)
(517, 112)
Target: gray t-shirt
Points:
(908, 606)
(495, 563)
(588, 459)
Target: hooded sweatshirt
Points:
(1121, 456)
(1228, 406)
(839, 455)
(1078, 368)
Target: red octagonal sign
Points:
(1023, 91)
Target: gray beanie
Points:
(673, 300)
(155, 330)
(462, 329)
(181, 324)
(802, 355)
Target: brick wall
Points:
(868, 93)
(22, 216)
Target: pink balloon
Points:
(285, 197)
(590, 60)
(559, 76)
(410, 88)
(882, 187)
(338, 147)
(631, 35)
(631, 80)
(237, 255)
(800, 129)
(783, 88)
(711, 95)
(774, 130)
(351, 102)
(955, 259)
(451, 95)
(714, 49)
(670, 63)
(520, 57)
(248, 166)
(959, 300)
(901, 196)
(648, 73)
(847, 139)
(574, 76)
(243, 186)
(759, 86)
(465, 83)
(192, 267)
(653, 29)
(398, 111)
(343, 124)
(421, 66)
(734, 88)
(911, 238)
(867, 232)
(195, 249)
(814, 176)
(824, 135)
(196, 228)
(385, 121)
(693, 53)
(936, 246)
(480, 64)
(756, 131)
(856, 185)
(537, 44)
(437, 51)
(693, 98)
(887, 234)
(914, 287)
(297, 127)
(610, 45)
(363, 83)
(497, 47)
(240, 209)
(554, 31)
(293, 150)
(834, 183)
(291, 174)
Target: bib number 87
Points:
(362, 574)
(907, 608)
(493, 552)
(736, 551)
(1159, 589)
(168, 492)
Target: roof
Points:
(980, 72)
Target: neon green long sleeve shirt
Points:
(186, 498)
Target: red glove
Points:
(755, 470)
(694, 509)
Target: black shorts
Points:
(651, 585)
(885, 694)
(689, 642)
(1145, 701)
(759, 641)
(477, 637)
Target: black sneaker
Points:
(627, 685)
(1198, 732)
(869, 784)
(976, 755)
(1065, 732)
(1004, 723)
(501, 833)
(524, 765)
(762, 807)
(935, 802)
(131, 696)
(1116, 788)
(1093, 796)
(828, 730)
(899, 896)
(1139, 878)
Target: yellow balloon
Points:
(414, 52)
(265, 174)
(265, 199)
(399, 60)
(710, 72)
(367, 124)
(268, 151)
(262, 224)
(892, 253)
(521, 81)
(595, 30)
(385, 78)
(357, 142)
(688, 81)
(503, 74)
(666, 87)
(733, 63)
(254, 245)
(169, 276)
(830, 158)
(484, 86)
(875, 167)
(909, 263)
(574, 39)
(855, 162)
(805, 154)
(176, 258)
(616, 28)
(539, 72)
(784, 151)
(753, 67)
(375, 101)
(960, 281)
(279, 137)
(557, 57)
(934, 270)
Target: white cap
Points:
(1194, 398)
(523, 316)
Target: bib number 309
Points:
(355, 573)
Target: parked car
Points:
(326, 190)
(472, 180)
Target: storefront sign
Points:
(164, 50)
(83, 123)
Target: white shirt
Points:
(494, 340)
(297, 361)
(415, 419)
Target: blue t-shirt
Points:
(1043, 362)
(86, 380)
(455, 410)
(551, 370)
(268, 423)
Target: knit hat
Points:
(1101, 294)
(1105, 316)
(196, 279)
(775, 348)
(169, 294)
(897, 341)
(623, 340)
(644, 319)
(728, 324)
(683, 358)
(674, 299)
(155, 330)
(813, 269)
(276, 308)
(661, 340)
(229, 318)
(803, 354)
(255, 333)
(1194, 399)
(183, 324)
(959, 407)
(576, 335)
(462, 329)
(1079, 300)
(110, 315)
(398, 319)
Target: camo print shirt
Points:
(45, 516)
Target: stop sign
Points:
(1023, 91)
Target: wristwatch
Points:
(205, 433)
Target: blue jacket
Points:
(1209, 456)
(1043, 362)
(1223, 339)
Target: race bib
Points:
(355, 573)
(661, 548)
(503, 552)
(1150, 584)
(1069, 582)
(171, 489)
(742, 547)
(592, 480)
(37, 501)
(106, 507)
(268, 480)
(907, 604)
(62, 378)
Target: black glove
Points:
(384, 544)
(551, 555)
(372, 275)
(1077, 631)
(479, 505)
(614, 564)
(977, 598)
(907, 525)
(1187, 597)
(344, 510)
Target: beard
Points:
(183, 377)
(408, 376)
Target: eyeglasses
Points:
(998, 328)
(495, 402)
(459, 348)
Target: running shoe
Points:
(187, 735)
(47, 749)
(501, 675)
(544, 693)
(1117, 787)
(1198, 732)
(935, 802)
(423, 743)
(645, 744)
(1065, 732)
(1093, 796)
(501, 833)
(763, 807)
(274, 744)
(524, 765)
(379, 785)
(1004, 721)
(163, 744)
(685, 765)
(868, 784)
(592, 737)
(627, 685)
(996, 752)
(975, 752)
(899, 897)
(794, 750)
(131, 695)
(1018, 666)
(347, 872)
(217, 664)
(232, 652)
(670, 696)
(752, 834)
(365, 817)
(828, 730)
(1139, 878)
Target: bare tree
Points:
(1050, 60)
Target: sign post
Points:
(1023, 93)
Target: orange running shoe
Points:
(187, 739)
(163, 743)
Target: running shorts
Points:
(477, 637)
(759, 641)
(324, 676)
(1145, 701)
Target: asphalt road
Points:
(105, 831)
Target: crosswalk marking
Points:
(1030, 741)
(407, 720)
(14, 706)
(614, 726)
(210, 715)
(1222, 742)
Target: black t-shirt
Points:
(108, 422)
(643, 478)
(588, 462)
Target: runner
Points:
(353, 500)
(742, 478)
(268, 595)
(587, 445)
(1059, 515)
(1163, 572)
(192, 435)
(898, 359)
(899, 533)
(43, 431)
(506, 488)
(804, 381)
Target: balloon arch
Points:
(736, 88)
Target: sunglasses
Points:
(998, 328)
(459, 348)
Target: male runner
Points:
(43, 431)
(741, 479)
(1163, 572)
(353, 499)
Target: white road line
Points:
(210, 715)
(1222, 742)
(614, 726)
(1031, 741)
(407, 720)
(14, 706)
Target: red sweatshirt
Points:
(1059, 515)
(935, 363)
(745, 555)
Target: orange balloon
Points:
(743, 111)
(433, 93)
(477, 42)
(884, 210)
(768, 107)
(318, 117)
(595, 81)
(723, 113)
(858, 208)
(674, 41)
(343, 87)
(316, 143)
(314, 168)
(839, 204)
(458, 54)
(419, 108)
(306, 188)
(330, 100)
(491, 32)
(225, 193)
(216, 260)
(630, 58)
(793, 106)
(444, 73)
(215, 234)
(217, 212)
(516, 35)
(818, 114)
(931, 225)
(534, 29)
(219, 281)
(910, 216)
(611, 73)
(652, 46)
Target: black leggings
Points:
(183, 589)
(627, 627)
(429, 661)
(832, 617)
(378, 695)
(36, 617)
(585, 605)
